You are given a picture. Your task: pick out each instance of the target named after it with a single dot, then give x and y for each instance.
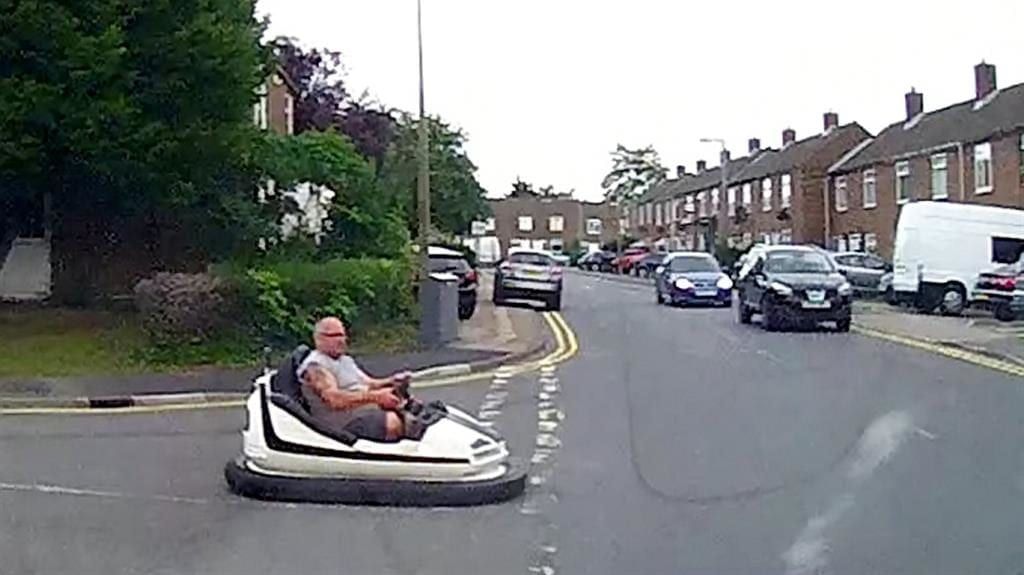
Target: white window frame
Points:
(649, 215)
(939, 164)
(490, 224)
(689, 207)
(715, 205)
(261, 109)
(732, 200)
(786, 189)
(855, 240)
(289, 114)
(870, 242)
(766, 195)
(747, 196)
(902, 174)
(702, 203)
(556, 219)
(842, 199)
(869, 189)
(594, 226)
(983, 157)
(525, 224)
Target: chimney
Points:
(984, 79)
(724, 158)
(701, 166)
(831, 120)
(915, 103)
(753, 146)
(788, 136)
(680, 171)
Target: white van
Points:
(941, 247)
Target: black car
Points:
(600, 261)
(792, 284)
(448, 260)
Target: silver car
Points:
(529, 274)
(863, 271)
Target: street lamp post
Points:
(713, 224)
(423, 179)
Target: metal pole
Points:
(713, 225)
(423, 180)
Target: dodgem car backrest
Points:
(285, 381)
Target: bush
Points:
(283, 300)
(176, 307)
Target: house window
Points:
(556, 224)
(260, 110)
(657, 214)
(747, 199)
(983, 168)
(939, 177)
(786, 237)
(869, 189)
(870, 243)
(902, 182)
(714, 201)
(855, 242)
(594, 226)
(289, 114)
(648, 209)
(490, 225)
(841, 198)
(702, 203)
(787, 189)
(766, 195)
(732, 201)
(526, 223)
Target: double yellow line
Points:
(566, 346)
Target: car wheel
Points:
(466, 312)
(743, 312)
(658, 297)
(770, 319)
(843, 325)
(499, 295)
(890, 296)
(1003, 312)
(954, 300)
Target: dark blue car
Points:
(686, 278)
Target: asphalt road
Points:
(690, 444)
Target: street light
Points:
(713, 224)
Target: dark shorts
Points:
(371, 425)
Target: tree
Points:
(323, 102)
(129, 118)
(633, 172)
(456, 197)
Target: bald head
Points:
(330, 337)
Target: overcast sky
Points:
(546, 88)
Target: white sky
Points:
(546, 88)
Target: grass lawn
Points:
(52, 342)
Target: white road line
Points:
(61, 490)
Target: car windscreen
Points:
(797, 262)
(531, 259)
(452, 264)
(692, 264)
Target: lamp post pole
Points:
(423, 179)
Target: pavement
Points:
(674, 441)
(491, 337)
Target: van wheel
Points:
(954, 300)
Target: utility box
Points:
(439, 309)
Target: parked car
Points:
(792, 284)
(1002, 291)
(560, 259)
(646, 266)
(863, 271)
(942, 247)
(624, 264)
(692, 278)
(599, 261)
(529, 274)
(447, 260)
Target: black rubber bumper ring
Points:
(396, 493)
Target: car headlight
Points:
(845, 289)
(724, 283)
(781, 289)
(683, 284)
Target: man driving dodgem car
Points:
(342, 395)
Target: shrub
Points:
(176, 307)
(283, 300)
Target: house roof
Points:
(960, 123)
(792, 156)
(693, 182)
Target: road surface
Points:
(689, 444)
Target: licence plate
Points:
(707, 292)
(541, 286)
(815, 296)
(816, 305)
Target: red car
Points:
(624, 264)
